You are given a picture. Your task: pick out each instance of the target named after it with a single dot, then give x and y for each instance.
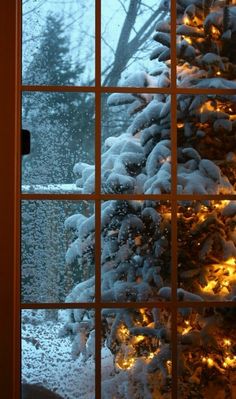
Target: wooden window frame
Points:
(11, 197)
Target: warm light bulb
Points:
(139, 338)
(210, 362)
(187, 39)
(215, 33)
(231, 262)
(169, 366)
(227, 342)
(186, 20)
(218, 73)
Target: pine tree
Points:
(51, 64)
(55, 119)
(135, 235)
(59, 132)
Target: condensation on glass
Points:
(62, 150)
(136, 353)
(206, 352)
(49, 365)
(53, 259)
(135, 242)
(136, 156)
(206, 250)
(130, 44)
(58, 45)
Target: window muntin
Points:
(174, 196)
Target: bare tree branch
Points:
(126, 48)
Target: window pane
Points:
(206, 44)
(207, 360)
(135, 257)
(206, 144)
(52, 258)
(48, 358)
(58, 42)
(207, 250)
(136, 353)
(129, 43)
(62, 141)
(136, 145)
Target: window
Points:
(144, 303)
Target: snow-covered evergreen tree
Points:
(135, 264)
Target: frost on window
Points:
(207, 145)
(206, 44)
(136, 353)
(49, 367)
(136, 157)
(62, 134)
(58, 42)
(207, 251)
(206, 354)
(53, 258)
(127, 45)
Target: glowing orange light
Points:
(169, 366)
(215, 33)
(229, 361)
(186, 20)
(186, 330)
(187, 39)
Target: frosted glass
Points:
(51, 367)
(50, 266)
(62, 142)
(58, 46)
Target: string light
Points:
(215, 33)
(227, 342)
(186, 20)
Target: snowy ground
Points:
(46, 359)
(51, 188)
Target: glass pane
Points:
(206, 361)
(207, 250)
(49, 369)
(205, 44)
(52, 258)
(62, 142)
(206, 144)
(58, 42)
(135, 257)
(129, 43)
(136, 145)
(136, 353)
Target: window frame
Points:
(11, 197)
